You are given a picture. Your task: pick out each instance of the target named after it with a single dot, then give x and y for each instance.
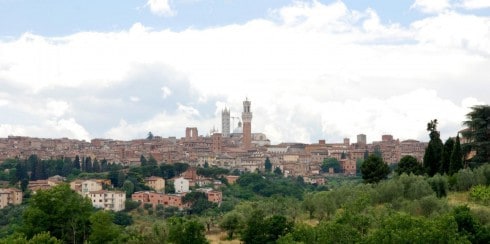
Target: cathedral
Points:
(243, 131)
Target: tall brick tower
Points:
(247, 124)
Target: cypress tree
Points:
(433, 153)
(446, 156)
(456, 162)
(76, 162)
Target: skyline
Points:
(312, 69)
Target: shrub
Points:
(483, 174)
(480, 194)
(159, 207)
(130, 205)
(389, 191)
(439, 185)
(465, 180)
(147, 206)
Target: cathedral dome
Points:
(239, 129)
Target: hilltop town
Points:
(238, 149)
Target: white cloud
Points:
(56, 108)
(49, 128)
(160, 7)
(313, 71)
(70, 128)
(474, 4)
(431, 6)
(187, 110)
(166, 92)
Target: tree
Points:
(104, 165)
(123, 218)
(277, 171)
(331, 163)
(128, 187)
(409, 165)
(183, 231)
(446, 155)
(478, 133)
(103, 228)
(267, 165)
(38, 170)
(87, 165)
(377, 151)
(265, 230)
(67, 167)
(373, 169)
(96, 166)
(199, 202)
(60, 211)
(150, 136)
(76, 162)
(232, 222)
(468, 226)
(433, 152)
(456, 161)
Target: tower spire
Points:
(247, 124)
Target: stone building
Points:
(156, 183)
(10, 196)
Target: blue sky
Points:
(313, 69)
(58, 17)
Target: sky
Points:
(313, 70)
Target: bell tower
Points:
(247, 125)
(225, 123)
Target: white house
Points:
(181, 185)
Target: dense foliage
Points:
(373, 169)
(478, 134)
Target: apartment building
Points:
(108, 200)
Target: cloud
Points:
(166, 92)
(312, 71)
(431, 6)
(474, 4)
(160, 7)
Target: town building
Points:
(83, 187)
(181, 185)
(156, 183)
(155, 198)
(108, 200)
(10, 196)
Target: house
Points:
(213, 196)
(83, 187)
(108, 200)
(156, 183)
(181, 185)
(232, 179)
(10, 196)
(154, 198)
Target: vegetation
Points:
(416, 203)
(331, 163)
(373, 169)
(433, 153)
(409, 165)
(478, 134)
